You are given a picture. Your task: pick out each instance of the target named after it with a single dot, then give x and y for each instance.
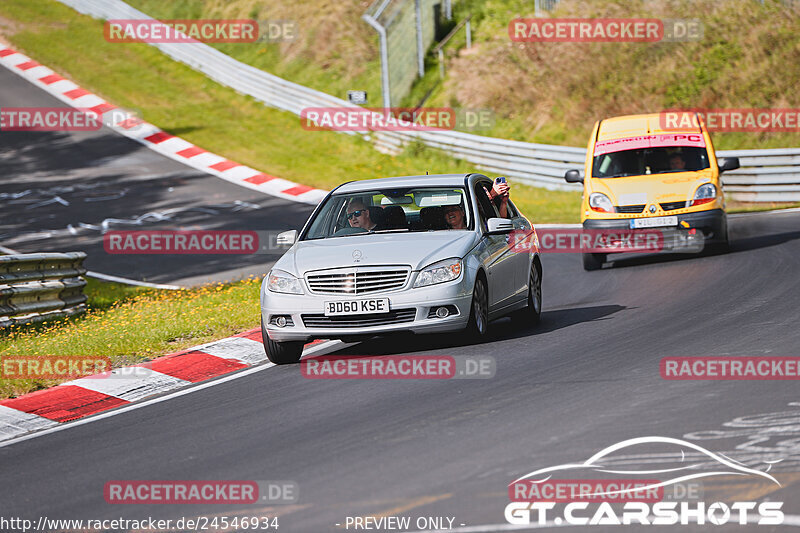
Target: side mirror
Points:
(727, 163)
(573, 176)
(287, 238)
(499, 225)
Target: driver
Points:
(358, 216)
(676, 162)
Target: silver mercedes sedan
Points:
(422, 254)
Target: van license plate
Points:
(654, 222)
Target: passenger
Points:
(454, 216)
(499, 194)
(358, 216)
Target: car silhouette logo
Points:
(686, 469)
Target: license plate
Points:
(654, 222)
(357, 307)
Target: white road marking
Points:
(13, 422)
(130, 383)
(238, 348)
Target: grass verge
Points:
(187, 103)
(133, 325)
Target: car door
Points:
(521, 257)
(499, 258)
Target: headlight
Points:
(283, 282)
(704, 194)
(600, 202)
(446, 270)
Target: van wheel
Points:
(478, 323)
(593, 261)
(281, 353)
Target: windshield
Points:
(387, 211)
(645, 161)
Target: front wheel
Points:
(478, 323)
(593, 261)
(281, 353)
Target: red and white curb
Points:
(151, 136)
(120, 387)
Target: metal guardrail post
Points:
(387, 100)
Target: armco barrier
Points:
(766, 175)
(36, 287)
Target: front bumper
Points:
(693, 233)
(420, 300)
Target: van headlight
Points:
(283, 282)
(439, 272)
(600, 202)
(704, 194)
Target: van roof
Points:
(633, 125)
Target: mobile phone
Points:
(500, 179)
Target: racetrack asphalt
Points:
(57, 189)
(585, 378)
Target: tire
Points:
(593, 261)
(722, 246)
(532, 313)
(478, 324)
(281, 353)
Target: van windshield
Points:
(644, 161)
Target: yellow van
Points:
(645, 172)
